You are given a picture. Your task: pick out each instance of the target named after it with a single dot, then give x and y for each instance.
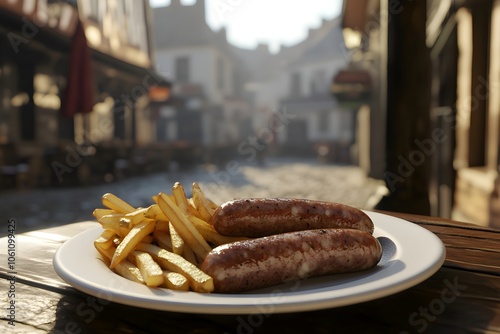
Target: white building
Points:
(205, 74)
(231, 94)
(307, 70)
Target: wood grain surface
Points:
(462, 297)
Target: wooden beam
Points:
(464, 86)
(492, 138)
(408, 111)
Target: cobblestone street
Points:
(39, 208)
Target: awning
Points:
(79, 93)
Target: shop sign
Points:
(352, 87)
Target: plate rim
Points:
(267, 302)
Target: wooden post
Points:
(492, 140)
(409, 141)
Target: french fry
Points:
(210, 234)
(112, 217)
(185, 204)
(127, 223)
(148, 239)
(129, 271)
(180, 197)
(163, 240)
(201, 203)
(198, 280)
(112, 222)
(192, 208)
(131, 258)
(189, 255)
(117, 241)
(136, 234)
(175, 281)
(136, 216)
(177, 242)
(162, 225)
(160, 245)
(124, 269)
(124, 226)
(154, 212)
(183, 226)
(98, 213)
(113, 202)
(155, 198)
(106, 253)
(150, 270)
(105, 240)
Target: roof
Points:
(180, 25)
(324, 42)
(261, 64)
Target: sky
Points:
(275, 22)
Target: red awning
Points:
(79, 94)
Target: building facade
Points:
(206, 77)
(437, 105)
(74, 82)
(244, 91)
(320, 123)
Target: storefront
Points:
(74, 83)
(438, 115)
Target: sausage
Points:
(259, 217)
(267, 261)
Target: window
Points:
(295, 85)
(220, 73)
(323, 121)
(318, 83)
(182, 69)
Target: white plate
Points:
(411, 254)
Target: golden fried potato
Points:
(113, 202)
(198, 280)
(150, 270)
(175, 281)
(130, 241)
(183, 226)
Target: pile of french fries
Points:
(162, 245)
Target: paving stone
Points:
(40, 208)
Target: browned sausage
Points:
(263, 262)
(258, 217)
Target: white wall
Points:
(339, 122)
(202, 69)
(329, 67)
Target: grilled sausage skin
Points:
(259, 217)
(267, 261)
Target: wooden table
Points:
(462, 297)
